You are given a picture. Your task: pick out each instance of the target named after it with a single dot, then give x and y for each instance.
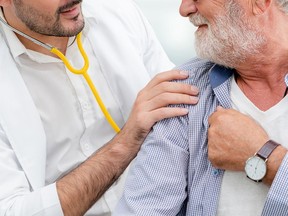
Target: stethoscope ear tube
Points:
(44, 45)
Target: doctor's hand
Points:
(151, 102)
(232, 138)
(92, 178)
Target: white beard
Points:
(231, 40)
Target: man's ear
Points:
(260, 6)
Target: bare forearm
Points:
(81, 188)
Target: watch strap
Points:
(266, 150)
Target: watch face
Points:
(255, 168)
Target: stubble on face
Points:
(230, 40)
(47, 24)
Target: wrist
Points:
(274, 163)
(256, 166)
(132, 136)
(126, 143)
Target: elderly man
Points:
(199, 164)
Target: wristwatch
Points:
(255, 166)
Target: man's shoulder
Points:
(195, 64)
(95, 8)
(197, 68)
(114, 15)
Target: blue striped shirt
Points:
(172, 174)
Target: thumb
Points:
(219, 108)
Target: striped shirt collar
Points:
(219, 74)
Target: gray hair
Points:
(283, 4)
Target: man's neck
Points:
(263, 92)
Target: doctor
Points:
(58, 154)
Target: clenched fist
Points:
(232, 138)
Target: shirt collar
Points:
(16, 47)
(220, 81)
(219, 74)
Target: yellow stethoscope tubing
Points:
(83, 71)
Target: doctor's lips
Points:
(69, 7)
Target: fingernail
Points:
(195, 89)
(194, 99)
(220, 108)
(185, 111)
(184, 73)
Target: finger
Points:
(166, 99)
(219, 111)
(167, 112)
(210, 118)
(167, 76)
(219, 108)
(170, 87)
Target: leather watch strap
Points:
(267, 149)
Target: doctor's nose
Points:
(187, 7)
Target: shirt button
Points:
(85, 105)
(216, 172)
(87, 146)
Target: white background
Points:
(175, 32)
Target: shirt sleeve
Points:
(157, 182)
(16, 196)
(277, 199)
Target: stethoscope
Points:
(83, 71)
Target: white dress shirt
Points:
(74, 125)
